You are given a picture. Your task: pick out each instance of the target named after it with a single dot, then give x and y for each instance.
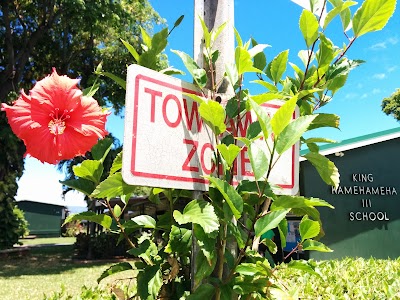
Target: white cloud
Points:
(363, 96)
(378, 46)
(351, 96)
(379, 76)
(384, 44)
(392, 69)
(376, 91)
(393, 40)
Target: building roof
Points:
(38, 202)
(357, 142)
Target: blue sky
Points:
(274, 23)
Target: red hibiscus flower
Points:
(55, 120)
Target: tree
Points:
(72, 35)
(391, 105)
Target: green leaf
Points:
(204, 291)
(81, 185)
(232, 73)
(309, 27)
(213, 115)
(199, 75)
(229, 193)
(180, 240)
(117, 164)
(260, 61)
(278, 66)
(271, 245)
(159, 41)
(292, 133)
(325, 54)
(269, 221)
(283, 116)
(315, 245)
(286, 201)
(149, 282)
(206, 243)
(172, 71)
(142, 221)
(178, 21)
(206, 33)
(198, 212)
(244, 62)
(117, 211)
(146, 250)
(90, 91)
(101, 149)
(229, 153)
(325, 120)
(145, 37)
(117, 79)
(131, 50)
(101, 219)
(343, 67)
(319, 140)
(372, 16)
(308, 228)
(303, 266)
(259, 159)
(267, 85)
(262, 117)
(336, 83)
(90, 170)
(217, 32)
(117, 268)
(253, 131)
(251, 269)
(336, 11)
(326, 168)
(233, 230)
(113, 186)
(238, 38)
(204, 269)
(265, 97)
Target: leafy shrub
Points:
(349, 278)
(87, 293)
(101, 246)
(72, 229)
(22, 229)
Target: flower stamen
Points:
(56, 126)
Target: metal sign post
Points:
(214, 13)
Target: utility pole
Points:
(214, 13)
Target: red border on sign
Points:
(134, 172)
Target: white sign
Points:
(167, 145)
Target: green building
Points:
(44, 219)
(366, 218)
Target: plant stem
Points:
(120, 225)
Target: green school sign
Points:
(366, 218)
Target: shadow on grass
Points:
(44, 261)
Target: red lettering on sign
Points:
(164, 110)
(193, 114)
(244, 160)
(203, 165)
(244, 125)
(185, 166)
(153, 94)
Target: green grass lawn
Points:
(53, 240)
(44, 270)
